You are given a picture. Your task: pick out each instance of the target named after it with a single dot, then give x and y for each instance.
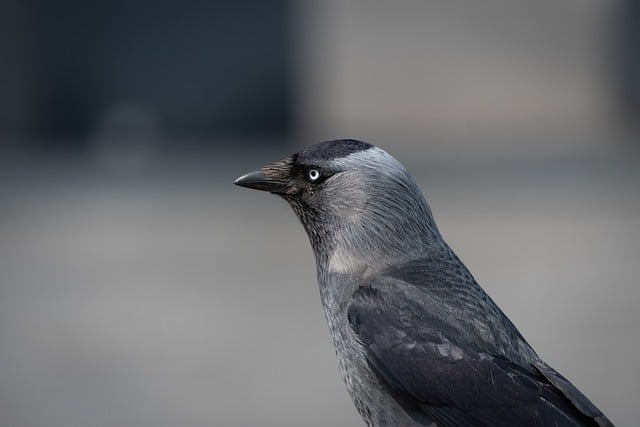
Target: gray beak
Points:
(258, 181)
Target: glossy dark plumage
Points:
(430, 353)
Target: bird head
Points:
(358, 204)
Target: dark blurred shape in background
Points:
(139, 287)
(627, 48)
(202, 69)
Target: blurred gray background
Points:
(139, 287)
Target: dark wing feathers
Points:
(574, 395)
(443, 371)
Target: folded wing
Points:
(441, 370)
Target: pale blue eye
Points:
(313, 174)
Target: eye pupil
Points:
(314, 174)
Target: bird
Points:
(418, 341)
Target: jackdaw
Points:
(418, 341)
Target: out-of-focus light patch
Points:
(126, 139)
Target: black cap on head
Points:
(335, 149)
